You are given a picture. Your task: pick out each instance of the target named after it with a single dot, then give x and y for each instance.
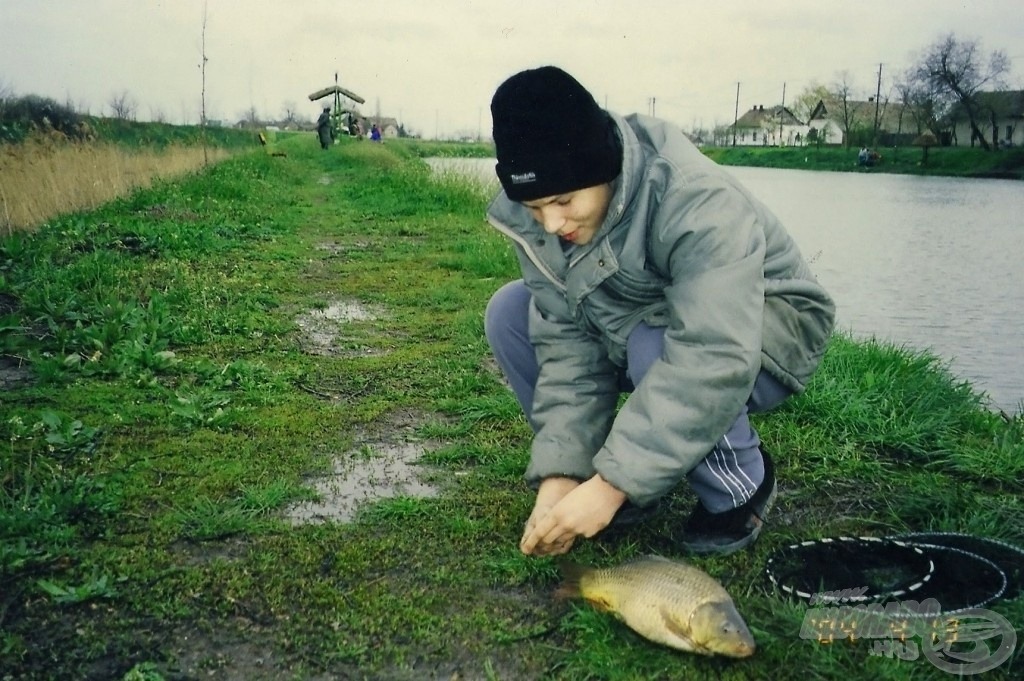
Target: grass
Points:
(944, 161)
(161, 412)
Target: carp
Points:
(666, 601)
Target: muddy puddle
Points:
(374, 469)
(332, 331)
(13, 374)
(363, 476)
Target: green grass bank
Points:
(134, 134)
(1006, 164)
(180, 366)
(940, 161)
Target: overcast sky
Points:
(434, 64)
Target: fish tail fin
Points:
(572, 573)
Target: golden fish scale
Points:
(640, 591)
(668, 580)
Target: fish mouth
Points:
(744, 650)
(737, 650)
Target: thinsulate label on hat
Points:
(523, 178)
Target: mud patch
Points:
(161, 211)
(13, 374)
(335, 248)
(377, 467)
(328, 332)
(239, 651)
(204, 553)
(13, 371)
(490, 366)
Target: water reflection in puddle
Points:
(322, 328)
(343, 312)
(365, 475)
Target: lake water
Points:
(932, 263)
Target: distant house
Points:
(822, 127)
(896, 122)
(768, 127)
(1001, 111)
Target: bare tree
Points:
(845, 107)
(122, 106)
(955, 71)
(291, 116)
(917, 102)
(251, 117)
(6, 94)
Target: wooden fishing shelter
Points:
(337, 110)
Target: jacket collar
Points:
(626, 186)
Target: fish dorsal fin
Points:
(680, 629)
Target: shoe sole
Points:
(739, 544)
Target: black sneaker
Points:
(729, 531)
(629, 514)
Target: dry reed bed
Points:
(46, 177)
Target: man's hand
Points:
(585, 509)
(550, 492)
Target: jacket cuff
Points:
(541, 468)
(639, 494)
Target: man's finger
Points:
(539, 534)
(537, 544)
(556, 549)
(530, 540)
(556, 542)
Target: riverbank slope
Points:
(942, 161)
(191, 373)
(45, 172)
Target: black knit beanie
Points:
(551, 136)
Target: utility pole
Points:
(202, 113)
(878, 94)
(736, 114)
(782, 111)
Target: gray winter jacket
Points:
(683, 246)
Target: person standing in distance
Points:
(323, 128)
